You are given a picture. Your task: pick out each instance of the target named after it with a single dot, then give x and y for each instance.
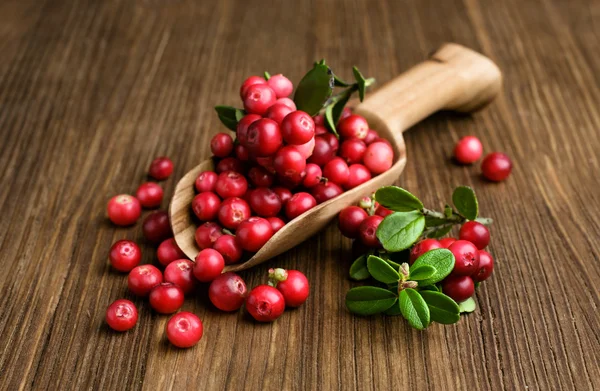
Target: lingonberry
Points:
(297, 128)
(258, 98)
(266, 163)
(319, 119)
(180, 273)
(337, 171)
(353, 150)
(496, 166)
(322, 152)
(229, 248)
(320, 128)
(306, 149)
(476, 233)
(332, 140)
(468, 150)
(292, 284)
(265, 303)
(353, 126)
(346, 112)
(366, 203)
(184, 329)
(298, 204)
(264, 202)
(230, 164)
(156, 227)
(466, 258)
(382, 211)
(149, 194)
(143, 278)
(233, 211)
(459, 288)
(231, 184)
(288, 102)
(313, 175)
(241, 153)
(221, 145)
(485, 268)
(325, 191)
(359, 174)
(252, 80)
(166, 298)
(372, 136)
(277, 112)
(124, 210)
(263, 138)
(289, 162)
(161, 168)
(276, 223)
(378, 157)
(283, 194)
(121, 315)
(206, 181)
(242, 127)
(350, 219)
(168, 251)
(253, 233)
(292, 181)
(206, 205)
(446, 242)
(207, 234)
(227, 292)
(367, 231)
(125, 255)
(260, 177)
(422, 247)
(209, 265)
(282, 86)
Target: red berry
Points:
(291, 182)
(378, 157)
(496, 166)
(231, 184)
(372, 136)
(242, 127)
(156, 226)
(322, 152)
(260, 177)
(230, 164)
(325, 191)
(298, 204)
(228, 292)
(294, 288)
(229, 248)
(459, 288)
(297, 128)
(446, 242)
(206, 206)
(253, 233)
(367, 231)
(313, 175)
(206, 181)
(337, 171)
(263, 138)
(241, 153)
(332, 140)
(277, 112)
(265, 202)
(258, 98)
(283, 194)
(353, 150)
(149, 194)
(276, 223)
(266, 163)
(282, 86)
(288, 102)
(359, 174)
(161, 168)
(468, 150)
(353, 126)
(350, 219)
(289, 162)
(169, 251)
(233, 211)
(207, 234)
(476, 233)
(125, 255)
(486, 267)
(252, 80)
(209, 265)
(184, 329)
(124, 210)
(381, 211)
(466, 257)
(306, 149)
(180, 273)
(221, 145)
(346, 112)
(121, 315)
(320, 128)
(143, 278)
(422, 247)
(265, 303)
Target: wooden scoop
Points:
(453, 78)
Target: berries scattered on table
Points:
(180, 273)
(124, 255)
(265, 303)
(184, 329)
(166, 298)
(496, 166)
(124, 209)
(476, 233)
(156, 226)
(168, 251)
(468, 150)
(161, 168)
(292, 284)
(143, 278)
(121, 315)
(208, 265)
(150, 195)
(228, 292)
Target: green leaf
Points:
(359, 270)
(400, 230)
(361, 81)
(468, 305)
(477, 284)
(394, 310)
(465, 201)
(441, 259)
(432, 221)
(397, 199)
(229, 116)
(333, 112)
(442, 309)
(239, 114)
(314, 89)
(438, 233)
(381, 270)
(432, 288)
(339, 82)
(448, 211)
(423, 272)
(267, 75)
(414, 309)
(369, 300)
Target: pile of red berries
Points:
(361, 222)
(496, 166)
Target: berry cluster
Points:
(496, 166)
(361, 223)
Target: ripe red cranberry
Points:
(313, 175)
(206, 181)
(166, 298)
(229, 248)
(156, 226)
(486, 267)
(350, 219)
(184, 329)
(353, 150)
(359, 174)
(466, 257)
(252, 80)
(288, 102)
(264, 202)
(468, 150)
(325, 191)
(221, 145)
(231, 184)
(266, 163)
(124, 210)
(322, 152)
(149, 194)
(422, 247)
(121, 315)
(228, 292)
(242, 127)
(241, 153)
(207, 234)
(346, 112)
(260, 177)
(168, 251)
(277, 112)
(496, 166)
(298, 204)
(378, 157)
(283, 194)
(306, 149)
(230, 164)
(337, 171)
(459, 288)
(476, 233)
(353, 126)
(265, 303)
(253, 233)
(372, 136)
(161, 168)
(180, 273)
(258, 98)
(263, 138)
(125, 255)
(209, 265)
(319, 119)
(143, 278)
(276, 223)
(297, 128)
(206, 206)
(367, 231)
(282, 86)
(446, 242)
(233, 211)
(289, 162)
(320, 129)
(332, 140)
(292, 284)
(291, 182)
(381, 211)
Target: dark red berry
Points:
(306, 149)
(266, 163)
(372, 136)
(228, 292)
(276, 223)
(209, 265)
(291, 182)
(260, 177)
(125, 255)
(166, 298)
(422, 247)
(288, 102)
(378, 157)
(258, 98)
(331, 140)
(325, 191)
(346, 112)
(231, 184)
(253, 233)
(169, 251)
(466, 258)
(353, 150)
(459, 288)
(150, 195)
(221, 145)
(206, 206)
(367, 231)
(156, 226)
(294, 288)
(207, 234)
(283, 194)
(230, 164)
(229, 248)
(468, 150)
(297, 128)
(252, 80)
(233, 211)
(121, 315)
(277, 112)
(282, 86)
(496, 166)
(313, 175)
(320, 129)
(206, 181)
(353, 126)
(322, 152)
(264, 202)
(476, 233)
(446, 242)
(180, 273)
(358, 175)
(336, 171)
(184, 329)
(243, 125)
(381, 211)
(298, 204)
(350, 219)
(161, 168)
(289, 162)
(265, 303)
(263, 138)
(124, 210)
(241, 153)
(485, 268)
(143, 278)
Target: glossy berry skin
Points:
(322, 152)
(184, 329)
(124, 255)
(283, 194)
(207, 234)
(143, 278)
(337, 171)
(180, 273)
(325, 191)
(350, 219)
(221, 145)
(260, 177)
(288, 102)
(332, 141)
(289, 162)
(297, 128)
(209, 265)
(206, 181)
(382, 211)
(459, 288)
(233, 211)
(265, 303)
(252, 80)
(378, 157)
(168, 251)
(468, 150)
(367, 231)
(121, 315)
(358, 174)
(230, 164)
(496, 166)
(446, 242)
(263, 138)
(320, 128)
(313, 175)
(298, 204)
(264, 202)
(353, 126)
(353, 150)
(485, 268)
(241, 153)
(292, 181)
(346, 112)
(258, 98)
(266, 163)
(282, 86)
(306, 149)
(253, 233)
(229, 248)
(156, 226)
(466, 258)
(277, 112)
(372, 136)
(166, 298)
(243, 125)
(161, 168)
(124, 210)
(206, 206)
(150, 195)
(228, 292)
(295, 288)
(231, 184)
(276, 223)
(476, 233)
(422, 247)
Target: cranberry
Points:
(325, 191)
(221, 145)
(124, 210)
(229, 164)
(184, 329)
(313, 175)
(242, 127)
(206, 181)
(468, 150)
(298, 204)
(319, 119)
(209, 265)
(293, 181)
(168, 251)
(143, 278)
(486, 267)
(297, 128)
(241, 153)
(229, 248)
(336, 170)
(260, 177)
(353, 126)
(253, 233)
(322, 152)
(331, 140)
(283, 194)
(265, 303)
(227, 292)
(306, 149)
(266, 163)
(276, 223)
(378, 157)
(446, 242)
(252, 80)
(346, 112)
(179, 272)
(207, 234)
(353, 150)
(288, 102)
(372, 136)
(233, 211)
(277, 112)
(466, 257)
(350, 219)
(292, 284)
(496, 166)
(282, 86)
(459, 288)
(265, 202)
(289, 162)
(359, 174)
(121, 315)
(149, 194)
(263, 138)
(206, 206)
(231, 184)
(156, 227)
(161, 168)
(476, 233)
(258, 98)
(381, 211)
(422, 247)
(367, 231)
(125, 255)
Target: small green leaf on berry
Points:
(229, 116)
(314, 89)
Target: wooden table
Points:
(91, 91)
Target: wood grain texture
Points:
(91, 91)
